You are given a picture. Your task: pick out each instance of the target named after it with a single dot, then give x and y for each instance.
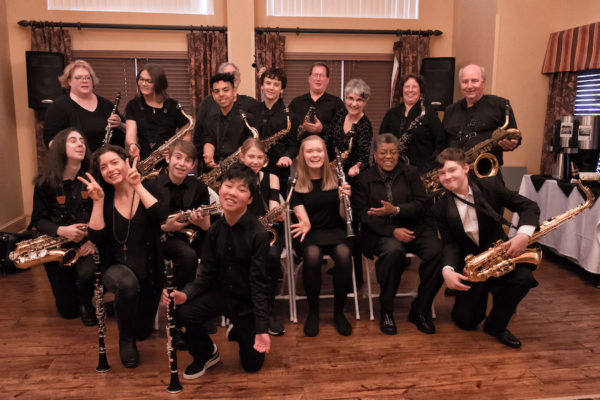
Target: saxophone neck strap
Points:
(486, 209)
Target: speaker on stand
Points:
(43, 70)
(438, 73)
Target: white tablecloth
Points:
(579, 238)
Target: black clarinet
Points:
(108, 131)
(99, 293)
(174, 384)
(345, 199)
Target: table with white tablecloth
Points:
(577, 239)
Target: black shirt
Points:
(154, 125)
(235, 262)
(335, 137)
(427, 138)
(191, 193)
(326, 107)
(260, 201)
(467, 126)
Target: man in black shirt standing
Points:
(474, 118)
(325, 104)
(233, 281)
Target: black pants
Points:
(392, 261)
(72, 286)
(184, 258)
(135, 302)
(507, 291)
(195, 312)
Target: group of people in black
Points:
(101, 201)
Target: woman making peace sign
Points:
(125, 225)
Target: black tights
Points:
(342, 276)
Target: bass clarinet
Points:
(174, 384)
(99, 293)
(347, 208)
(109, 129)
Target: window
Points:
(587, 101)
(117, 71)
(203, 7)
(393, 9)
(376, 72)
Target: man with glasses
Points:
(325, 105)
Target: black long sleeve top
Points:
(361, 142)
(326, 107)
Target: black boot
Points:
(87, 314)
(128, 351)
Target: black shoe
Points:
(311, 326)
(275, 327)
(231, 333)
(422, 322)
(195, 370)
(387, 324)
(178, 340)
(504, 337)
(109, 308)
(341, 324)
(88, 315)
(128, 352)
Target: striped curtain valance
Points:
(575, 49)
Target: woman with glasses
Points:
(82, 109)
(152, 117)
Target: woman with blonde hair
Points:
(321, 229)
(82, 109)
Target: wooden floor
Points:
(45, 357)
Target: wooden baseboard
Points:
(15, 225)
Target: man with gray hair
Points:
(473, 119)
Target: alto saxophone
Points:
(190, 233)
(41, 250)
(344, 155)
(269, 219)
(406, 137)
(146, 166)
(309, 114)
(211, 178)
(493, 261)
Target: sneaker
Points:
(194, 370)
(275, 327)
(231, 333)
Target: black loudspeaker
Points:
(43, 70)
(438, 73)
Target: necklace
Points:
(124, 241)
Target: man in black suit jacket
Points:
(392, 207)
(473, 228)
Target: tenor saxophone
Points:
(146, 166)
(41, 250)
(269, 219)
(493, 261)
(271, 140)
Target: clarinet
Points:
(174, 384)
(109, 129)
(345, 198)
(99, 293)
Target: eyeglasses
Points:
(82, 78)
(144, 80)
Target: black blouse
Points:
(361, 142)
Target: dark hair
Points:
(275, 73)
(319, 64)
(243, 172)
(417, 78)
(384, 138)
(56, 160)
(159, 79)
(221, 77)
(96, 163)
(450, 154)
(186, 147)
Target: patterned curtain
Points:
(47, 38)
(409, 52)
(270, 50)
(575, 49)
(561, 101)
(206, 50)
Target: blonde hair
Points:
(64, 78)
(250, 143)
(304, 183)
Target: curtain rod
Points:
(353, 31)
(80, 25)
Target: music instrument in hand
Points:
(309, 115)
(493, 261)
(41, 250)
(174, 384)
(109, 129)
(271, 140)
(146, 166)
(269, 219)
(406, 136)
(99, 294)
(346, 200)
(190, 233)
(211, 178)
(345, 153)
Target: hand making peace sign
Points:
(93, 188)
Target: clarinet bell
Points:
(102, 364)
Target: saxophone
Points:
(344, 155)
(493, 261)
(309, 114)
(269, 219)
(475, 156)
(271, 140)
(185, 217)
(211, 178)
(406, 137)
(146, 166)
(41, 250)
